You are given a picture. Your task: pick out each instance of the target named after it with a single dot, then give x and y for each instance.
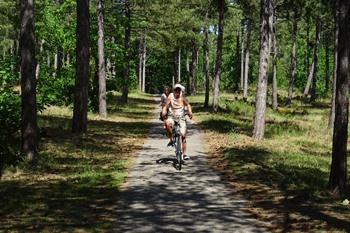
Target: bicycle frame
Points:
(177, 139)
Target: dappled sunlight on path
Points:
(159, 198)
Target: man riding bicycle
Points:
(177, 103)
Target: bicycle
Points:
(177, 139)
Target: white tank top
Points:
(177, 108)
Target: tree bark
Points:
(242, 61)
(179, 65)
(79, 124)
(102, 107)
(260, 102)
(218, 61)
(194, 67)
(144, 65)
(29, 127)
(326, 41)
(140, 61)
(338, 174)
(206, 63)
(246, 62)
(335, 52)
(37, 71)
(293, 59)
(314, 80)
(126, 71)
(274, 63)
(313, 68)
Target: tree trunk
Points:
(293, 59)
(60, 58)
(194, 67)
(140, 61)
(335, 52)
(313, 68)
(274, 64)
(144, 64)
(242, 61)
(37, 71)
(314, 79)
(79, 124)
(307, 57)
(206, 63)
(29, 127)
(48, 59)
(260, 102)
(338, 174)
(126, 67)
(179, 65)
(218, 61)
(326, 40)
(102, 107)
(246, 62)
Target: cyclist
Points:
(163, 99)
(177, 103)
(164, 96)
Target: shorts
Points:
(183, 125)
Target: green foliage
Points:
(55, 90)
(10, 114)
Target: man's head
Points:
(178, 89)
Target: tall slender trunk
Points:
(335, 53)
(307, 57)
(218, 61)
(144, 65)
(48, 61)
(206, 63)
(79, 124)
(261, 92)
(29, 127)
(55, 62)
(274, 63)
(60, 58)
(179, 65)
(338, 174)
(327, 77)
(101, 61)
(140, 61)
(126, 68)
(314, 79)
(293, 59)
(242, 60)
(313, 68)
(246, 62)
(37, 70)
(194, 67)
(236, 85)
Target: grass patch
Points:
(285, 176)
(74, 185)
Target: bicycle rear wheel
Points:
(178, 152)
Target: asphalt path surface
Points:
(158, 198)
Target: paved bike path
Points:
(159, 198)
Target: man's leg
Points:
(184, 144)
(183, 126)
(169, 130)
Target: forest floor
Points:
(284, 177)
(74, 184)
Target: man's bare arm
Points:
(166, 107)
(189, 107)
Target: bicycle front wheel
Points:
(178, 152)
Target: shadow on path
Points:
(159, 198)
